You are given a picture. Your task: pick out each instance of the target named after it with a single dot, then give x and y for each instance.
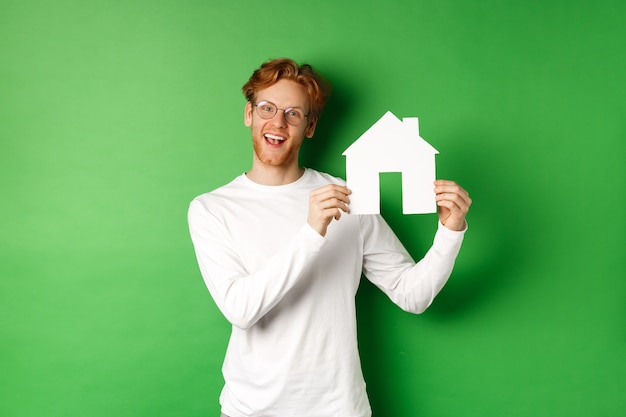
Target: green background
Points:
(115, 114)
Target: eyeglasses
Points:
(293, 115)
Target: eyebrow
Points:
(286, 108)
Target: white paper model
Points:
(391, 145)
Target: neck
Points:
(268, 175)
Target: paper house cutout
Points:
(391, 145)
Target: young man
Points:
(283, 261)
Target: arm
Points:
(242, 296)
(413, 286)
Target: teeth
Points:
(269, 136)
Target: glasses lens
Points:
(266, 110)
(294, 116)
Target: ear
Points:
(310, 128)
(247, 114)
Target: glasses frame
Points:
(262, 102)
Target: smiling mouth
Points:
(273, 139)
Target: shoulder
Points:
(220, 195)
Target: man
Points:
(282, 259)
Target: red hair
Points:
(272, 71)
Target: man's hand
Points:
(453, 204)
(325, 204)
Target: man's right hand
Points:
(325, 204)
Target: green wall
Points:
(115, 114)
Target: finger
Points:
(335, 203)
(331, 213)
(330, 188)
(329, 208)
(330, 195)
(327, 187)
(450, 187)
(450, 205)
(445, 182)
(453, 209)
(463, 200)
(454, 203)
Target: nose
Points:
(279, 118)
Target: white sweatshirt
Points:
(290, 294)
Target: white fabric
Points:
(290, 294)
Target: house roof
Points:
(390, 134)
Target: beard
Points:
(283, 155)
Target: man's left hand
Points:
(453, 203)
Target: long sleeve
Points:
(387, 264)
(290, 294)
(245, 296)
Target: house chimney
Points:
(411, 124)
